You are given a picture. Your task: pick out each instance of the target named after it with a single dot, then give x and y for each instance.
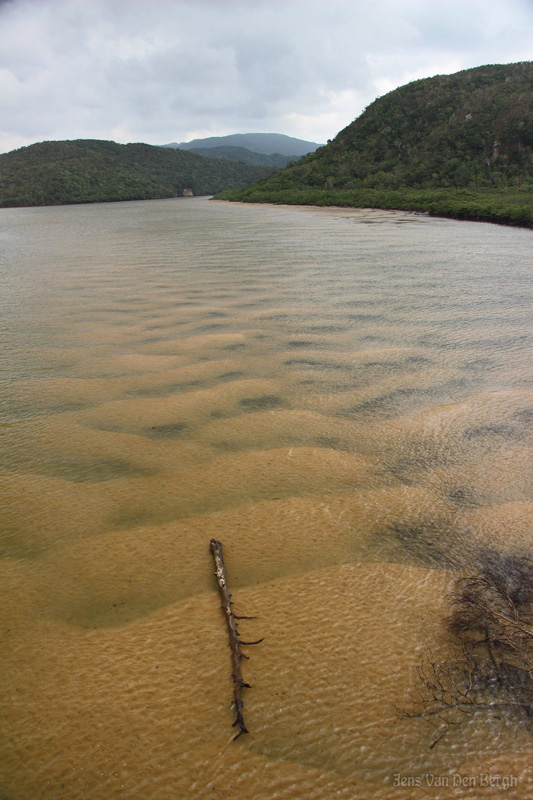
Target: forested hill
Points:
(456, 138)
(93, 171)
(265, 143)
(272, 160)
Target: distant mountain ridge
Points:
(93, 171)
(266, 143)
(245, 156)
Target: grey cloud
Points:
(174, 69)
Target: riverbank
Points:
(502, 206)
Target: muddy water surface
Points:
(344, 399)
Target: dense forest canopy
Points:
(273, 160)
(437, 137)
(92, 171)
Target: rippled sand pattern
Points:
(345, 400)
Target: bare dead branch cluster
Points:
(234, 642)
(492, 626)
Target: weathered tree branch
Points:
(234, 641)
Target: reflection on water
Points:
(345, 400)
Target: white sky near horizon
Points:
(159, 71)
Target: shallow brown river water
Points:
(344, 399)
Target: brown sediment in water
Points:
(40, 512)
(345, 419)
(139, 414)
(503, 476)
(507, 528)
(54, 395)
(207, 343)
(119, 576)
(122, 708)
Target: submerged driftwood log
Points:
(234, 642)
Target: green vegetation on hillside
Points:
(93, 171)
(273, 160)
(455, 145)
(257, 142)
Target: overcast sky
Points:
(159, 71)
